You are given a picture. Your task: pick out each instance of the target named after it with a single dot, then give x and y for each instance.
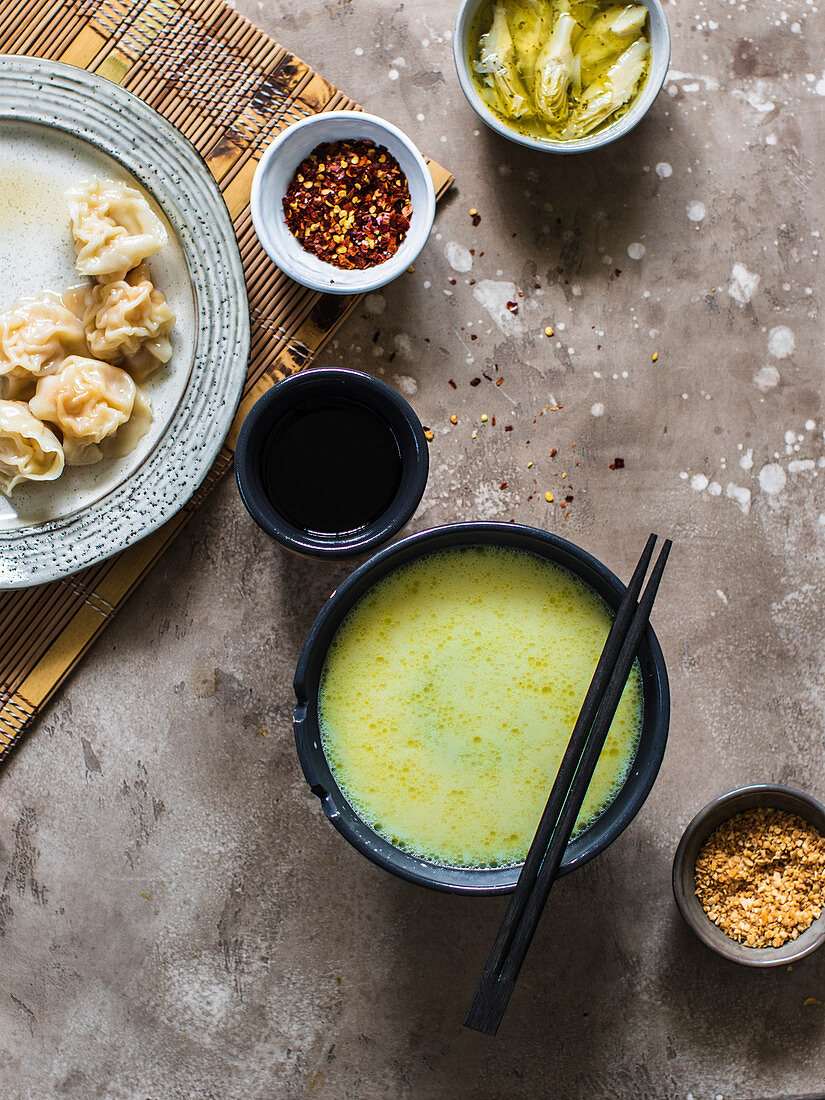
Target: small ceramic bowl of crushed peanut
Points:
(749, 875)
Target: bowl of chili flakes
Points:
(342, 202)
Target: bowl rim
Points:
(713, 814)
(332, 382)
(284, 250)
(475, 881)
(659, 67)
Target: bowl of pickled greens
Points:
(561, 75)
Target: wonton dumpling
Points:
(36, 335)
(129, 319)
(89, 402)
(29, 451)
(113, 226)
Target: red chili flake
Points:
(476, 219)
(486, 375)
(598, 347)
(473, 336)
(508, 427)
(475, 381)
(472, 282)
(499, 381)
(349, 204)
(452, 282)
(452, 383)
(568, 498)
(616, 464)
(493, 421)
(553, 453)
(616, 272)
(480, 254)
(521, 294)
(503, 485)
(512, 306)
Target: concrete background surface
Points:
(177, 919)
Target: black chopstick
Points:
(564, 804)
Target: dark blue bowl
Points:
(340, 384)
(459, 880)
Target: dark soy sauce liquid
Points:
(331, 466)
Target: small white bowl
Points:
(659, 63)
(276, 170)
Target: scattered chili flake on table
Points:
(349, 204)
(616, 464)
(760, 876)
(475, 381)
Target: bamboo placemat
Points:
(230, 88)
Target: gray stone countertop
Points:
(177, 919)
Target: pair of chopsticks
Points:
(541, 866)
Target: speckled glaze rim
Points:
(703, 824)
(659, 64)
(100, 113)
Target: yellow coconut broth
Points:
(448, 697)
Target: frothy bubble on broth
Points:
(448, 696)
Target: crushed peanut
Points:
(760, 876)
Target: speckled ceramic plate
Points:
(58, 126)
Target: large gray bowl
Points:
(659, 63)
(462, 880)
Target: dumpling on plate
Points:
(36, 335)
(113, 226)
(130, 320)
(90, 402)
(29, 451)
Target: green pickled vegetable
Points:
(560, 69)
(555, 71)
(529, 22)
(603, 98)
(498, 68)
(606, 37)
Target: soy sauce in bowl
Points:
(332, 467)
(331, 463)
